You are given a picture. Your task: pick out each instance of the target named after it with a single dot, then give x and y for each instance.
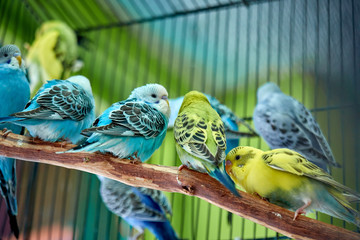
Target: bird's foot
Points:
(6, 132)
(135, 159)
(301, 210)
(262, 198)
(186, 188)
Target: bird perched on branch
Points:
(229, 119)
(14, 92)
(133, 128)
(53, 54)
(140, 207)
(60, 110)
(288, 179)
(200, 138)
(285, 123)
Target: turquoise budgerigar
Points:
(14, 92)
(228, 117)
(284, 122)
(200, 138)
(140, 207)
(60, 110)
(133, 128)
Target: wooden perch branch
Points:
(165, 178)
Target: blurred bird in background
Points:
(14, 92)
(60, 110)
(229, 119)
(200, 138)
(289, 180)
(285, 123)
(53, 54)
(140, 207)
(133, 128)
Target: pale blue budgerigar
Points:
(60, 110)
(284, 122)
(133, 128)
(200, 138)
(14, 92)
(229, 118)
(140, 207)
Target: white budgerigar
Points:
(285, 123)
(60, 110)
(133, 128)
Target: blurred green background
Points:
(226, 48)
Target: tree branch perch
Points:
(165, 178)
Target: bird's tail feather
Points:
(13, 224)
(338, 206)
(220, 175)
(10, 119)
(163, 231)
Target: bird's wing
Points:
(290, 161)
(158, 197)
(190, 133)
(64, 100)
(307, 123)
(132, 118)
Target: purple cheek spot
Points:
(228, 163)
(9, 61)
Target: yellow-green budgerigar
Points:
(53, 53)
(286, 178)
(200, 138)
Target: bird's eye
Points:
(6, 55)
(237, 157)
(153, 95)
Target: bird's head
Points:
(192, 97)
(82, 81)
(155, 95)
(10, 54)
(237, 159)
(266, 89)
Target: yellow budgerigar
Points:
(286, 178)
(200, 138)
(53, 54)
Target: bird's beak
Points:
(18, 57)
(166, 99)
(228, 165)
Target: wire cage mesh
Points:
(226, 48)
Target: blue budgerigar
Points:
(133, 128)
(14, 92)
(285, 123)
(228, 117)
(140, 207)
(60, 110)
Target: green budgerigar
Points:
(200, 138)
(53, 53)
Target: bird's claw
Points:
(6, 132)
(186, 188)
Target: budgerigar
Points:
(140, 207)
(229, 119)
(200, 138)
(287, 179)
(133, 128)
(285, 123)
(53, 53)
(60, 110)
(14, 92)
